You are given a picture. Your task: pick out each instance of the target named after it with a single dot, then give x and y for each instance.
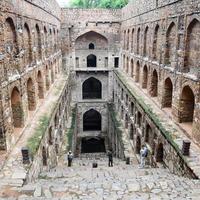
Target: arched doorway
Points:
(187, 103)
(92, 145)
(31, 95)
(138, 145)
(145, 77)
(168, 90)
(91, 61)
(44, 156)
(92, 121)
(40, 85)
(131, 132)
(126, 121)
(154, 84)
(17, 110)
(92, 89)
(159, 153)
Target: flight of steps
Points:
(127, 182)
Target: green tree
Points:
(98, 3)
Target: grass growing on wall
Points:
(70, 132)
(34, 141)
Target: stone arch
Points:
(145, 77)
(92, 89)
(128, 36)
(138, 145)
(40, 85)
(11, 37)
(31, 95)
(154, 84)
(124, 39)
(126, 121)
(132, 40)
(45, 41)
(27, 44)
(50, 136)
(91, 60)
(132, 108)
(138, 41)
(132, 67)
(139, 119)
(192, 53)
(148, 133)
(38, 42)
(159, 153)
(137, 72)
(187, 103)
(91, 46)
(145, 47)
(131, 134)
(168, 93)
(47, 78)
(127, 65)
(92, 120)
(156, 43)
(17, 109)
(44, 156)
(170, 44)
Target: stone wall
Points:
(160, 50)
(30, 60)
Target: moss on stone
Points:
(34, 141)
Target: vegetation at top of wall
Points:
(34, 141)
(70, 131)
(114, 4)
(149, 111)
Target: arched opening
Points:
(44, 156)
(132, 68)
(137, 73)
(132, 40)
(139, 119)
(192, 52)
(148, 133)
(11, 38)
(145, 77)
(17, 110)
(31, 95)
(45, 41)
(47, 78)
(170, 44)
(131, 134)
(138, 145)
(92, 145)
(52, 73)
(159, 153)
(187, 103)
(156, 43)
(154, 84)
(132, 108)
(38, 42)
(128, 35)
(124, 39)
(168, 91)
(92, 89)
(40, 85)
(27, 45)
(145, 48)
(91, 46)
(138, 41)
(92, 121)
(50, 136)
(126, 121)
(91, 61)
(122, 112)
(127, 65)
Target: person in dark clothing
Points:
(110, 159)
(70, 158)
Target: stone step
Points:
(12, 182)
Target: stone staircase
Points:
(121, 181)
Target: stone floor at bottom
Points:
(120, 182)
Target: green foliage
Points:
(34, 141)
(98, 3)
(70, 132)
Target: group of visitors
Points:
(143, 156)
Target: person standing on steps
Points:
(110, 158)
(143, 155)
(69, 158)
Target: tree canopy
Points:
(98, 3)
